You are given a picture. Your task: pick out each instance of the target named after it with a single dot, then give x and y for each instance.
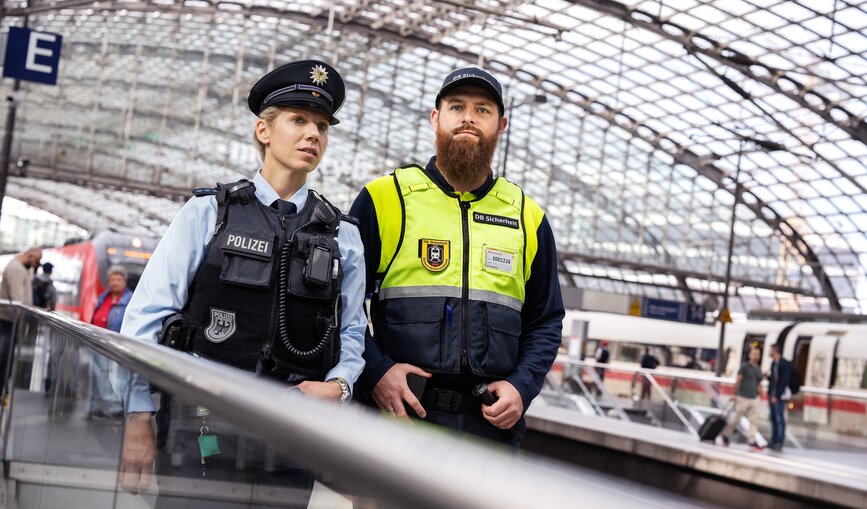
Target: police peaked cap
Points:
(304, 84)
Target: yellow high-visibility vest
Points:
(438, 246)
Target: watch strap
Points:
(346, 393)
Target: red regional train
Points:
(80, 266)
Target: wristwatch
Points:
(344, 389)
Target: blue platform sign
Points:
(663, 309)
(32, 55)
(695, 313)
(671, 310)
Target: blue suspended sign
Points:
(663, 309)
(32, 55)
(695, 313)
(672, 310)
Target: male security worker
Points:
(464, 271)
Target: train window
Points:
(753, 341)
(851, 374)
(632, 352)
(629, 353)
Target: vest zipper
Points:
(272, 332)
(465, 286)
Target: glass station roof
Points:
(629, 121)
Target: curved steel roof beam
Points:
(772, 77)
(679, 153)
(706, 168)
(647, 268)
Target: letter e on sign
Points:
(32, 56)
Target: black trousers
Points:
(475, 424)
(247, 473)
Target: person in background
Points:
(747, 400)
(17, 286)
(779, 395)
(108, 314)
(602, 356)
(17, 276)
(44, 292)
(648, 361)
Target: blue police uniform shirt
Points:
(164, 284)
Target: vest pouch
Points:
(504, 332)
(414, 328)
(312, 272)
(247, 259)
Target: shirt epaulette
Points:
(349, 219)
(205, 191)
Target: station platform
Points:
(732, 476)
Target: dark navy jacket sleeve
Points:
(541, 319)
(376, 362)
(785, 374)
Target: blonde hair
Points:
(269, 114)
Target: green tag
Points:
(208, 445)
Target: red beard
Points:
(465, 163)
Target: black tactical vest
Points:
(266, 298)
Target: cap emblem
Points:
(319, 75)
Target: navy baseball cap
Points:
(469, 76)
(304, 84)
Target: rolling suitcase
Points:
(711, 428)
(713, 425)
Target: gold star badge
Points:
(319, 75)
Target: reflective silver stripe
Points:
(496, 298)
(397, 292)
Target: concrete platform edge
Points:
(588, 430)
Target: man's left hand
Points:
(508, 408)
(322, 390)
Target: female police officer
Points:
(238, 257)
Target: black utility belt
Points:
(454, 402)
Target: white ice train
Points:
(827, 355)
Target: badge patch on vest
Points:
(434, 254)
(244, 244)
(481, 217)
(222, 326)
(499, 260)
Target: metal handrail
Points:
(618, 409)
(714, 395)
(588, 395)
(671, 404)
(561, 359)
(404, 465)
(562, 398)
(703, 382)
(842, 393)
